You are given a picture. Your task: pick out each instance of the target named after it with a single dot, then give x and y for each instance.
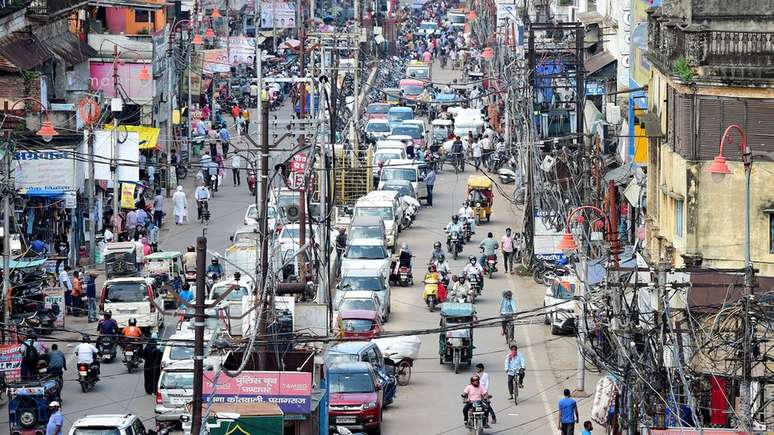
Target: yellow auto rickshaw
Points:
(481, 197)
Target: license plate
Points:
(178, 400)
(82, 372)
(346, 420)
(491, 261)
(129, 353)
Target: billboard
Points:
(101, 79)
(292, 391)
(216, 61)
(45, 171)
(278, 15)
(241, 50)
(10, 361)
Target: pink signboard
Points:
(10, 361)
(291, 391)
(101, 79)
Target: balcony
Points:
(707, 54)
(53, 8)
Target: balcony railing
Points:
(717, 52)
(53, 7)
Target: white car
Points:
(366, 254)
(133, 297)
(369, 281)
(386, 154)
(377, 128)
(247, 235)
(113, 424)
(428, 28)
(251, 216)
(232, 304)
(180, 347)
(559, 304)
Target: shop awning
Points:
(149, 136)
(598, 61)
(21, 264)
(22, 51)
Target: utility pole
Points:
(188, 112)
(198, 371)
(169, 132)
(114, 137)
(355, 135)
(301, 142)
(6, 229)
(90, 194)
(263, 231)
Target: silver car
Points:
(367, 280)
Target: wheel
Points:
(548, 278)
(457, 360)
(27, 418)
(84, 386)
(555, 330)
(404, 373)
(537, 276)
(431, 304)
(455, 254)
(491, 272)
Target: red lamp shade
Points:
(209, 33)
(599, 225)
(197, 40)
(568, 242)
(580, 219)
(216, 13)
(472, 15)
(144, 75)
(47, 131)
(719, 166)
(488, 53)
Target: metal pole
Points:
(274, 24)
(354, 134)
(580, 376)
(198, 371)
(264, 228)
(190, 125)
(114, 139)
(228, 43)
(301, 142)
(170, 73)
(90, 194)
(6, 232)
(745, 389)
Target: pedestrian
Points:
(62, 248)
(30, 357)
(55, 421)
(142, 217)
(212, 139)
(225, 138)
(77, 294)
(506, 245)
(239, 125)
(236, 164)
(568, 414)
(67, 285)
(56, 363)
(181, 205)
(587, 428)
(108, 235)
(142, 162)
(38, 246)
(152, 368)
(139, 253)
(246, 118)
(91, 295)
(153, 236)
(158, 208)
(235, 111)
(430, 182)
(131, 224)
(151, 171)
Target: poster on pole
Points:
(216, 61)
(127, 195)
(241, 51)
(280, 15)
(55, 300)
(10, 361)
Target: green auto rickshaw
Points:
(456, 345)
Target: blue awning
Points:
(45, 193)
(21, 264)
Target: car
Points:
(405, 170)
(363, 324)
(371, 281)
(391, 144)
(112, 424)
(457, 18)
(174, 393)
(428, 28)
(412, 130)
(136, 298)
(421, 124)
(366, 227)
(247, 235)
(366, 254)
(377, 110)
(377, 128)
(349, 299)
(387, 210)
(365, 351)
(560, 304)
(179, 347)
(356, 396)
(384, 155)
(397, 114)
(251, 216)
(403, 187)
(290, 234)
(232, 304)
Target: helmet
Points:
(132, 322)
(85, 338)
(472, 259)
(507, 293)
(107, 314)
(455, 218)
(441, 258)
(215, 261)
(404, 246)
(462, 278)
(437, 245)
(191, 248)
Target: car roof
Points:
(378, 121)
(129, 279)
(366, 221)
(358, 314)
(366, 242)
(402, 162)
(120, 420)
(351, 367)
(358, 294)
(363, 272)
(401, 108)
(397, 181)
(351, 347)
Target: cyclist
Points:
(507, 308)
(514, 366)
(202, 196)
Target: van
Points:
(232, 304)
(174, 393)
(398, 114)
(405, 170)
(366, 227)
(388, 195)
(411, 89)
(377, 128)
(385, 209)
(136, 298)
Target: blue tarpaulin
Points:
(21, 264)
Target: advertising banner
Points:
(56, 301)
(291, 391)
(45, 171)
(101, 79)
(127, 195)
(10, 361)
(128, 148)
(278, 14)
(216, 61)
(241, 50)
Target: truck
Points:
(419, 70)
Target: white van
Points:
(387, 209)
(232, 304)
(136, 298)
(405, 170)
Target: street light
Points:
(197, 40)
(216, 13)
(46, 130)
(209, 34)
(488, 53)
(144, 74)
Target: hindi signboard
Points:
(10, 361)
(292, 391)
(54, 296)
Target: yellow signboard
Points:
(127, 195)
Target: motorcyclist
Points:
(107, 326)
(457, 149)
(507, 308)
(404, 258)
(473, 267)
(489, 246)
(215, 267)
(453, 227)
(460, 287)
(443, 268)
(472, 393)
(466, 212)
(132, 331)
(437, 251)
(431, 277)
(87, 354)
(189, 259)
(515, 366)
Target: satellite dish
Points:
(291, 212)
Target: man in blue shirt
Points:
(91, 295)
(186, 296)
(430, 182)
(568, 414)
(39, 246)
(224, 137)
(56, 421)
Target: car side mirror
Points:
(231, 238)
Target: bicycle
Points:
(517, 385)
(204, 211)
(508, 331)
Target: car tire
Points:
(378, 429)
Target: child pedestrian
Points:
(587, 428)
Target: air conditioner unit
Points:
(612, 113)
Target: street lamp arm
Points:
(598, 210)
(742, 145)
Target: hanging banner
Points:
(54, 299)
(45, 171)
(127, 195)
(292, 391)
(278, 14)
(128, 149)
(241, 50)
(10, 361)
(216, 61)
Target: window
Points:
(142, 15)
(679, 218)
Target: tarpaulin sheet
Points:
(149, 136)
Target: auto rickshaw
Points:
(456, 346)
(440, 132)
(28, 401)
(167, 269)
(392, 96)
(481, 197)
(120, 259)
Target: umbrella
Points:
(290, 44)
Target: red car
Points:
(355, 396)
(378, 110)
(362, 324)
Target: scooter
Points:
(131, 356)
(107, 348)
(454, 244)
(506, 176)
(430, 294)
(405, 278)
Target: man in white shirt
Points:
(67, 285)
(476, 146)
(139, 251)
(466, 212)
(202, 195)
(484, 382)
(108, 235)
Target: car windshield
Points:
(401, 115)
(97, 430)
(366, 252)
(176, 380)
(373, 283)
(378, 109)
(183, 352)
(440, 132)
(334, 357)
(383, 157)
(378, 127)
(287, 199)
(399, 174)
(383, 212)
(357, 304)
(414, 89)
(246, 237)
(356, 233)
(236, 295)
(352, 383)
(356, 325)
(408, 130)
(126, 292)
(403, 189)
(252, 212)
(457, 19)
(290, 233)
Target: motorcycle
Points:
(475, 283)
(106, 345)
(496, 160)
(430, 294)
(405, 278)
(544, 272)
(476, 418)
(131, 356)
(506, 176)
(87, 376)
(190, 276)
(466, 231)
(251, 181)
(454, 244)
(491, 265)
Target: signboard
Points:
(45, 171)
(241, 50)
(10, 361)
(127, 148)
(278, 14)
(101, 80)
(297, 169)
(216, 61)
(507, 11)
(54, 296)
(292, 391)
(127, 195)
